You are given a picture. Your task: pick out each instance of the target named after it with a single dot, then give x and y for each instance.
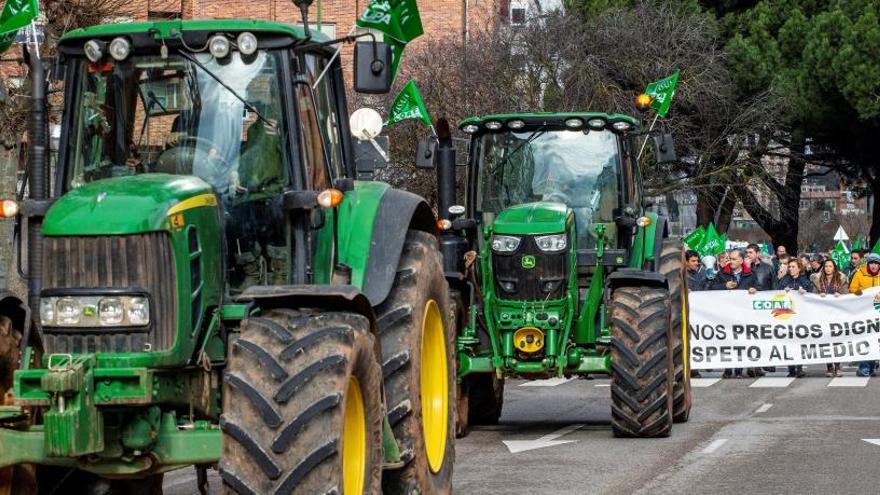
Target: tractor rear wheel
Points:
(641, 365)
(20, 478)
(418, 344)
(302, 405)
(671, 266)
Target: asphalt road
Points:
(744, 437)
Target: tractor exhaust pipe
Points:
(445, 169)
(37, 176)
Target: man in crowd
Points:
(780, 252)
(696, 276)
(855, 262)
(816, 263)
(736, 276)
(867, 276)
(764, 273)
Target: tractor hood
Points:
(125, 205)
(533, 218)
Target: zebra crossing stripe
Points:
(772, 382)
(849, 381)
(704, 382)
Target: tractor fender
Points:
(656, 232)
(631, 277)
(398, 212)
(336, 297)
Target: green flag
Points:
(840, 255)
(408, 105)
(695, 238)
(661, 93)
(765, 249)
(713, 244)
(16, 14)
(857, 245)
(876, 248)
(398, 20)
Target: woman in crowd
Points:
(830, 281)
(782, 269)
(723, 260)
(799, 281)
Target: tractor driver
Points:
(554, 181)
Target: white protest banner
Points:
(735, 329)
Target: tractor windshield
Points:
(572, 167)
(196, 115)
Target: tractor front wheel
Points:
(641, 364)
(672, 267)
(302, 405)
(418, 344)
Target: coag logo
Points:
(781, 306)
(528, 262)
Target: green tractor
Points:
(557, 270)
(210, 286)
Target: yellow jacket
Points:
(863, 280)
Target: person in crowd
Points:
(867, 276)
(723, 260)
(816, 263)
(696, 276)
(797, 279)
(831, 281)
(735, 276)
(855, 262)
(806, 266)
(764, 276)
(782, 269)
(780, 252)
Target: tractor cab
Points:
(537, 163)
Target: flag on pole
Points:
(661, 93)
(16, 14)
(714, 244)
(876, 248)
(695, 238)
(840, 255)
(398, 21)
(857, 245)
(408, 105)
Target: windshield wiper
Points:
(540, 131)
(226, 86)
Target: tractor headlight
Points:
(95, 311)
(218, 45)
(247, 43)
(505, 243)
(94, 50)
(120, 48)
(552, 243)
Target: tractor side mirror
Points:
(665, 148)
(372, 67)
(426, 152)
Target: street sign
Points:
(841, 234)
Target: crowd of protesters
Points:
(752, 270)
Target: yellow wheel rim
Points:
(435, 387)
(354, 440)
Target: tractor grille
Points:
(547, 280)
(143, 261)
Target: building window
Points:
(517, 15)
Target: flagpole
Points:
(434, 131)
(646, 137)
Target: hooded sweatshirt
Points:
(862, 279)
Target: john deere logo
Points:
(528, 262)
(781, 306)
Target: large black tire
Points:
(672, 266)
(641, 366)
(291, 379)
(420, 292)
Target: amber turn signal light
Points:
(330, 198)
(8, 208)
(444, 224)
(643, 102)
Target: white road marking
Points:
(548, 440)
(875, 441)
(764, 408)
(603, 385)
(552, 382)
(849, 381)
(712, 447)
(704, 382)
(772, 382)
